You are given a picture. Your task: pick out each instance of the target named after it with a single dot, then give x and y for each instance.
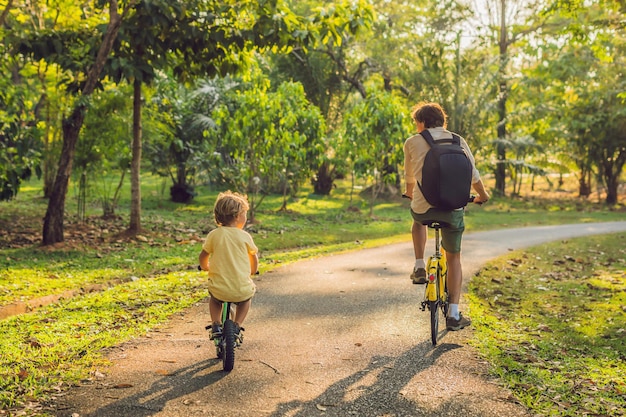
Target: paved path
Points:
(335, 336)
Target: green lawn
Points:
(552, 322)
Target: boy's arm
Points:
(254, 263)
(203, 260)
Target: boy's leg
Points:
(242, 311)
(215, 309)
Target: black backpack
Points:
(447, 173)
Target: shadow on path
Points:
(153, 400)
(375, 390)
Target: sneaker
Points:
(216, 330)
(454, 324)
(419, 276)
(239, 334)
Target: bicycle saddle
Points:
(435, 224)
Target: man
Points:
(431, 116)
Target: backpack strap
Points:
(428, 137)
(456, 140)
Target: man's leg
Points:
(455, 276)
(419, 233)
(455, 321)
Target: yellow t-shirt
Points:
(229, 250)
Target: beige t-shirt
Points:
(415, 149)
(229, 250)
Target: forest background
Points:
(262, 97)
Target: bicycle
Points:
(228, 339)
(436, 291)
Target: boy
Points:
(231, 257)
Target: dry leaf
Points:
(163, 372)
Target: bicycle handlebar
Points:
(200, 269)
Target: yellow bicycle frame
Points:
(437, 273)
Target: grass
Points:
(127, 286)
(552, 322)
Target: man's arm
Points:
(483, 195)
(409, 190)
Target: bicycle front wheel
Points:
(228, 335)
(433, 306)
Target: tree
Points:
(24, 98)
(509, 23)
(188, 39)
(53, 220)
(275, 137)
(183, 146)
(583, 64)
(203, 38)
(103, 146)
(373, 135)
(328, 70)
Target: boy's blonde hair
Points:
(228, 206)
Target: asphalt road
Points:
(340, 335)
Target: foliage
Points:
(104, 143)
(550, 320)
(274, 137)
(581, 101)
(182, 145)
(373, 133)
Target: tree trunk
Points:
(584, 183)
(500, 171)
(5, 12)
(324, 180)
(611, 191)
(135, 166)
(612, 171)
(53, 220)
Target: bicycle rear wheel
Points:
(228, 337)
(433, 306)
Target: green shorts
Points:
(452, 234)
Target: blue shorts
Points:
(452, 234)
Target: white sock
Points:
(419, 263)
(454, 311)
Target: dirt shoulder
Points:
(335, 336)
